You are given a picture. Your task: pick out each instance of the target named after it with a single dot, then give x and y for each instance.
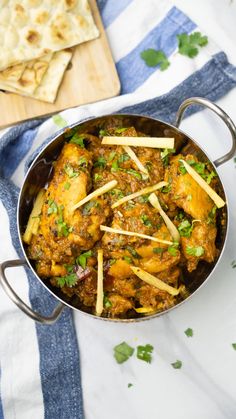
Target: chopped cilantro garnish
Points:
(143, 199)
(173, 250)
(210, 177)
(189, 332)
(166, 189)
(158, 250)
(188, 44)
(52, 207)
(120, 130)
(63, 229)
(133, 252)
(123, 352)
(117, 192)
(152, 58)
(103, 133)
(145, 220)
(111, 155)
(134, 173)
(100, 162)
(82, 259)
(115, 166)
(88, 206)
(211, 215)
(59, 121)
(130, 385)
(234, 346)
(185, 228)
(68, 280)
(83, 162)
(78, 139)
(67, 186)
(70, 171)
(127, 259)
(107, 303)
(97, 177)
(144, 353)
(165, 155)
(177, 364)
(123, 157)
(195, 251)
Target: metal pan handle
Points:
(17, 300)
(216, 109)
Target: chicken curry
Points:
(136, 207)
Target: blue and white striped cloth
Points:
(39, 365)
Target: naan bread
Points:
(30, 29)
(49, 85)
(27, 80)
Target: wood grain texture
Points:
(91, 78)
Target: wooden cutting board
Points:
(90, 77)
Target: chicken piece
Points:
(119, 305)
(64, 233)
(149, 296)
(202, 243)
(185, 191)
(135, 217)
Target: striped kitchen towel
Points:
(39, 365)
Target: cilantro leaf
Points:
(189, 332)
(177, 364)
(67, 186)
(173, 250)
(127, 259)
(234, 346)
(59, 121)
(82, 259)
(144, 353)
(185, 228)
(100, 162)
(233, 264)
(52, 207)
(134, 173)
(188, 44)
(69, 170)
(130, 385)
(78, 139)
(68, 280)
(152, 58)
(123, 352)
(145, 220)
(107, 303)
(195, 251)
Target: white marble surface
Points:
(205, 385)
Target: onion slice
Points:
(143, 191)
(201, 182)
(135, 159)
(33, 222)
(132, 233)
(99, 302)
(153, 142)
(152, 280)
(171, 227)
(100, 191)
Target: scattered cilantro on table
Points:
(177, 364)
(59, 121)
(123, 352)
(152, 58)
(233, 264)
(234, 346)
(189, 332)
(130, 385)
(145, 353)
(188, 44)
